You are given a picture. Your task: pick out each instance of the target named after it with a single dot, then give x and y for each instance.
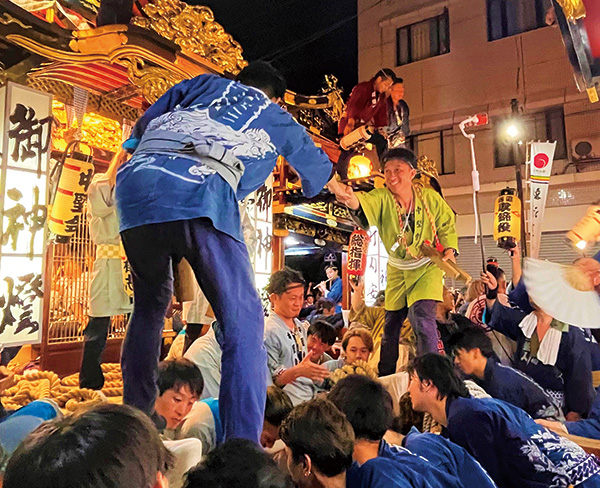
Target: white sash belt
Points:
(407, 264)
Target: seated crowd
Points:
(494, 411)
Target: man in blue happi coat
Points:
(474, 355)
(204, 145)
(368, 408)
(508, 443)
(554, 354)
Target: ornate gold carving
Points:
(336, 101)
(193, 29)
(3, 74)
(6, 19)
(573, 9)
(96, 130)
(152, 81)
(427, 166)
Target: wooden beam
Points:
(278, 247)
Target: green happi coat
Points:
(405, 287)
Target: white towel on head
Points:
(548, 351)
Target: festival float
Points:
(71, 94)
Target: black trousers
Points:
(95, 335)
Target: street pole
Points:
(519, 179)
(516, 154)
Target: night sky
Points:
(305, 39)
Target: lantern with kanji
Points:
(70, 197)
(507, 219)
(357, 253)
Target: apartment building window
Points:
(510, 17)
(548, 125)
(423, 40)
(437, 146)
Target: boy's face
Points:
(174, 405)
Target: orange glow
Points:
(359, 167)
(97, 131)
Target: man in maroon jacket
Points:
(367, 104)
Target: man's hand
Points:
(310, 370)
(343, 194)
(553, 425)
(448, 254)
(489, 280)
(573, 417)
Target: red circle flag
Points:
(540, 160)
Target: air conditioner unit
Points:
(586, 149)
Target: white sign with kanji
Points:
(25, 131)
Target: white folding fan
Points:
(563, 292)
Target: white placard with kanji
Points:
(26, 129)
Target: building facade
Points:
(463, 57)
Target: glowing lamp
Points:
(358, 247)
(507, 219)
(512, 131)
(359, 167)
(70, 198)
(587, 229)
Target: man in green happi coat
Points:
(406, 216)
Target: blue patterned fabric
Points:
(572, 372)
(448, 457)
(518, 389)
(167, 186)
(514, 450)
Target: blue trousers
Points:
(222, 267)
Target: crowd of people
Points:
(421, 389)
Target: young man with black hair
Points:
(180, 385)
(442, 453)
(368, 408)
(320, 336)
(203, 421)
(319, 444)
(108, 446)
(474, 355)
(512, 448)
(238, 463)
(205, 144)
(406, 217)
(367, 102)
(290, 363)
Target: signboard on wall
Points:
(257, 226)
(376, 273)
(25, 133)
